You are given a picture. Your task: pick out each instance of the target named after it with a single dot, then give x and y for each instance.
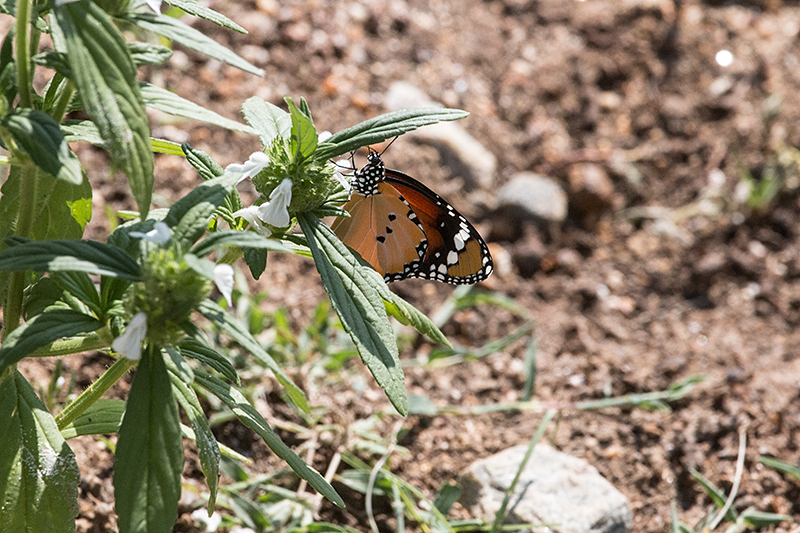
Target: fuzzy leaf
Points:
(252, 419)
(359, 306)
(70, 254)
(193, 7)
(43, 329)
(102, 417)
(267, 119)
(38, 473)
(171, 103)
(232, 327)
(41, 138)
(304, 134)
(207, 447)
(383, 127)
(104, 73)
(189, 216)
(147, 473)
(190, 38)
(245, 239)
(195, 349)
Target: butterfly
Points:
(405, 230)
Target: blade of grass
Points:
(501, 513)
(736, 480)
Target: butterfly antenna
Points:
(388, 145)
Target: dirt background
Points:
(661, 270)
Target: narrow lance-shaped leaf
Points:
(267, 119)
(236, 238)
(190, 38)
(383, 127)
(304, 135)
(66, 254)
(252, 419)
(171, 103)
(147, 473)
(103, 416)
(359, 306)
(197, 9)
(43, 329)
(189, 216)
(232, 327)
(38, 473)
(105, 76)
(40, 136)
(207, 447)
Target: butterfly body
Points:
(405, 230)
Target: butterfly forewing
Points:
(384, 230)
(405, 230)
(456, 252)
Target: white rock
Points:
(470, 157)
(530, 195)
(564, 492)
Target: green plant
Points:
(137, 295)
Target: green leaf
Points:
(198, 10)
(190, 38)
(102, 417)
(256, 260)
(207, 167)
(780, 466)
(61, 211)
(409, 315)
(244, 239)
(43, 329)
(232, 327)
(70, 254)
(105, 76)
(383, 127)
(714, 492)
(446, 497)
(195, 349)
(269, 120)
(148, 53)
(189, 217)
(40, 136)
(82, 131)
(760, 519)
(252, 419)
(38, 473)
(80, 286)
(359, 306)
(304, 134)
(147, 474)
(172, 104)
(207, 447)
(162, 146)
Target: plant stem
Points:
(27, 201)
(94, 392)
(22, 37)
(64, 99)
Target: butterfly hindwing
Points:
(405, 230)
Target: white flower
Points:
(341, 179)
(129, 344)
(159, 234)
(275, 211)
(223, 278)
(211, 523)
(254, 164)
(155, 5)
(324, 136)
(250, 214)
